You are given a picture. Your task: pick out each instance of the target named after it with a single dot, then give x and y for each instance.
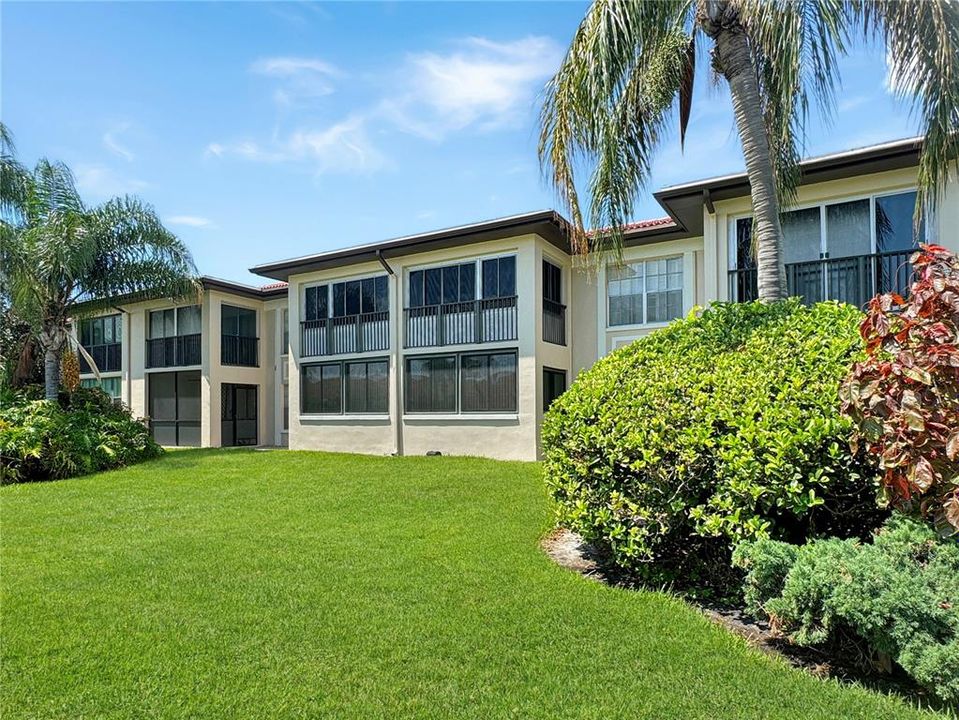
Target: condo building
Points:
(456, 341)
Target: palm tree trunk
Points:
(52, 339)
(732, 59)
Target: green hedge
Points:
(714, 429)
(899, 595)
(82, 433)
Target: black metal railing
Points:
(853, 280)
(176, 351)
(471, 322)
(107, 357)
(238, 350)
(554, 322)
(366, 332)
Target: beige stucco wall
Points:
(507, 436)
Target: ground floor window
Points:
(174, 407)
(109, 385)
(359, 387)
(554, 385)
(466, 382)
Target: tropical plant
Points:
(630, 70)
(904, 397)
(61, 258)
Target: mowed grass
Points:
(238, 584)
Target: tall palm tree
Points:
(60, 258)
(630, 70)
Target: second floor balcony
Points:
(487, 320)
(239, 350)
(175, 351)
(854, 280)
(347, 334)
(108, 358)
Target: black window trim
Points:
(458, 371)
(329, 284)
(558, 371)
(343, 412)
(477, 260)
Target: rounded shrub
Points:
(719, 427)
(82, 433)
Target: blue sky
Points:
(265, 131)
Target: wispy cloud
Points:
(341, 148)
(113, 144)
(193, 221)
(100, 182)
(301, 79)
(483, 83)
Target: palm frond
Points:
(13, 180)
(615, 42)
(922, 47)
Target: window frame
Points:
(477, 282)
(732, 220)
(176, 322)
(116, 324)
(344, 400)
(329, 284)
(256, 321)
(458, 384)
(555, 371)
(681, 257)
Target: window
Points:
(364, 385)
(101, 331)
(174, 322)
(554, 385)
(488, 382)
(323, 388)
(317, 302)
(837, 230)
(431, 384)
(648, 291)
(552, 282)
(285, 349)
(356, 297)
(111, 385)
(499, 277)
(367, 387)
(443, 285)
(238, 321)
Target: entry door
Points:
(238, 415)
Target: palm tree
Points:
(630, 69)
(60, 259)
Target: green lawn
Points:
(242, 584)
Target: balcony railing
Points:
(367, 332)
(177, 351)
(854, 280)
(554, 322)
(237, 350)
(471, 322)
(107, 358)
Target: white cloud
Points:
(482, 83)
(300, 79)
(189, 221)
(101, 182)
(111, 143)
(342, 148)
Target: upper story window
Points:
(648, 291)
(442, 285)
(350, 297)
(101, 337)
(173, 322)
(174, 337)
(286, 332)
(554, 312)
(101, 331)
(499, 277)
(238, 340)
(848, 250)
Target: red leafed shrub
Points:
(904, 398)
